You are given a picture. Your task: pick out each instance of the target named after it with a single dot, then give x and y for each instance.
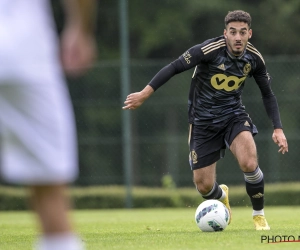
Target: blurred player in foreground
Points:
(217, 116)
(38, 135)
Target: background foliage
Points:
(166, 28)
(110, 197)
(159, 32)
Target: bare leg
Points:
(52, 204)
(204, 178)
(244, 149)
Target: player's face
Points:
(237, 35)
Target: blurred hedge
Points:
(15, 198)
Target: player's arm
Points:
(263, 80)
(185, 62)
(134, 100)
(78, 45)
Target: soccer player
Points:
(37, 127)
(217, 116)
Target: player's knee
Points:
(249, 165)
(203, 187)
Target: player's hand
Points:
(279, 138)
(78, 50)
(134, 100)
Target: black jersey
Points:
(218, 81)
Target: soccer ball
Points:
(211, 216)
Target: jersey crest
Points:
(247, 69)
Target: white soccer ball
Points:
(211, 216)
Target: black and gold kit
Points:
(215, 95)
(218, 81)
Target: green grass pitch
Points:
(158, 229)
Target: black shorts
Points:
(208, 142)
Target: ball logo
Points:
(215, 225)
(228, 83)
(205, 211)
(226, 215)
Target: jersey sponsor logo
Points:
(228, 83)
(247, 69)
(186, 55)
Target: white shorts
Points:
(38, 142)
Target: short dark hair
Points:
(238, 16)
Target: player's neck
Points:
(234, 56)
